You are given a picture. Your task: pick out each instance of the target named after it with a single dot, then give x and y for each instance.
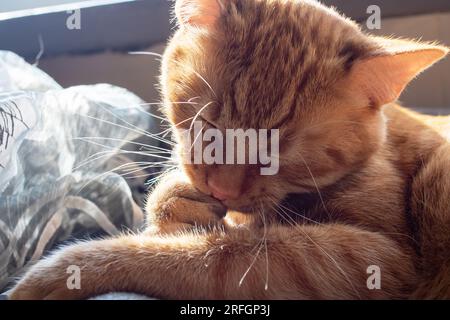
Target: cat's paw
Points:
(176, 205)
(50, 279)
(178, 213)
(38, 288)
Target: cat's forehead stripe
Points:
(277, 54)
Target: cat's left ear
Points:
(383, 77)
(200, 13)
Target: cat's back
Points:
(412, 134)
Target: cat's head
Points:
(295, 66)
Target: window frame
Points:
(115, 27)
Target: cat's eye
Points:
(290, 135)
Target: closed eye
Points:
(209, 122)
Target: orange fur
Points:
(362, 180)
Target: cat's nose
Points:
(221, 192)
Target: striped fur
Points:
(362, 181)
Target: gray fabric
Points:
(57, 147)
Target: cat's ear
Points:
(201, 13)
(383, 76)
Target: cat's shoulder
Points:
(415, 126)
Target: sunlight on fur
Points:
(362, 181)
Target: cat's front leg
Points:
(175, 204)
(321, 262)
(59, 276)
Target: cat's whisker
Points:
(175, 125)
(163, 118)
(160, 149)
(150, 183)
(132, 168)
(276, 207)
(290, 221)
(130, 172)
(128, 123)
(263, 216)
(103, 174)
(193, 98)
(286, 216)
(149, 53)
(121, 151)
(115, 150)
(198, 114)
(334, 261)
(152, 115)
(103, 154)
(196, 137)
(329, 256)
(143, 164)
(161, 164)
(140, 131)
(259, 245)
(192, 123)
(401, 234)
(95, 157)
(315, 184)
(298, 214)
(143, 175)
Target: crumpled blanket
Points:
(61, 152)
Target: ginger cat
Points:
(362, 181)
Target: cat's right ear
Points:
(199, 13)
